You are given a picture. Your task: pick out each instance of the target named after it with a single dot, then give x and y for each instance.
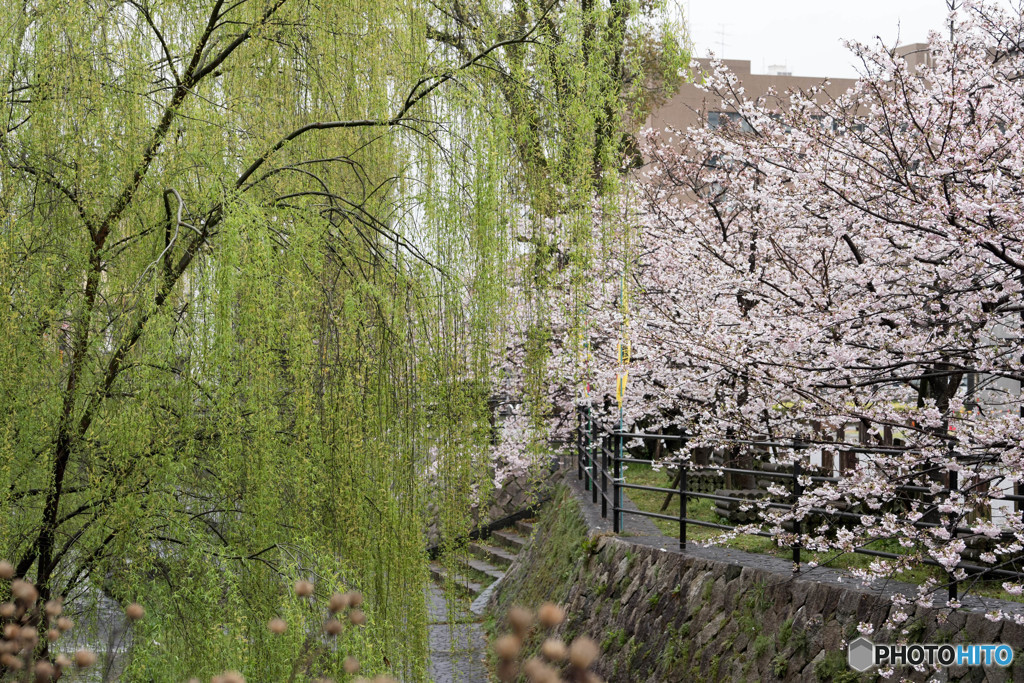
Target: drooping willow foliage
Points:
(256, 259)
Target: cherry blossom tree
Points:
(856, 258)
(835, 260)
(851, 259)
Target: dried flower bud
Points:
(7, 610)
(332, 627)
(53, 608)
(508, 671)
(24, 591)
(134, 611)
(277, 625)
(85, 658)
(521, 620)
(507, 647)
(592, 677)
(338, 602)
(44, 671)
(303, 588)
(11, 662)
(538, 672)
(550, 615)
(355, 599)
(6, 570)
(63, 661)
(11, 631)
(583, 652)
(232, 677)
(29, 636)
(52, 635)
(554, 650)
(357, 617)
(351, 665)
(65, 624)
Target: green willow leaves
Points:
(254, 263)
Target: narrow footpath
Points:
(458, 649)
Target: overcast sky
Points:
(805, 35)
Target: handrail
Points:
(598, 462)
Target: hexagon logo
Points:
(861, 654)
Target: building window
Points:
(718, 118)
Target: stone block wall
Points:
(664, 616)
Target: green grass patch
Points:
(761, 645)
(702, 509)
(785, 631)
(834, 669)
(697, 508)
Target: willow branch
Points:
(414, 97)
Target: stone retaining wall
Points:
(664, 616)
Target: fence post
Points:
(604, 483)
(589, 467)
(682, 505)
(595, 464)
(617, 492)
(953, 485)
(579, 441)
(585, 473)
(797, 491)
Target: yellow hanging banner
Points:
(620, 386)
(625, 351)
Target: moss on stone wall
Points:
(661, 616)
(545, 570)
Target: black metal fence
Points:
(601, 453)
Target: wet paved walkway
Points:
(461, 661)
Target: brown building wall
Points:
(684, 109)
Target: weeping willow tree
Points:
(254, 259)
(572, 106)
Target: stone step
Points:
(464, 583)
(525, 528)
(499, 557)
(508, 539)
(482, 568)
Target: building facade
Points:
(691, 104)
